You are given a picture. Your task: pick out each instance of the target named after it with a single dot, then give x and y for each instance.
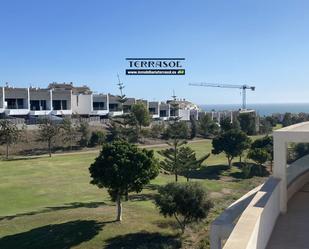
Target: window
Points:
(15, 103)
(64, 105)
(173, 112)
(126, 108)
(34, 105)
(20, 103)
(57, 105)
(113, 107)
(38, 105)
(98, 106)
(152, 110)
(11, 103)
(43, 105)
(163, 113)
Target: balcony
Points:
(60, 107)
(275, 215)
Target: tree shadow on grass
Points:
(152, 186)
(167, 224)
(143, 240)
(141, 197)
(252, 171)
(56, 236)
(20, 158)
(209, 172)
(72, 205)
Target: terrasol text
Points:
(155, 64)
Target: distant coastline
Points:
(262, 109)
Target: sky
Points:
(260, 43)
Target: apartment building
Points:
(64, 99)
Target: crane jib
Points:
(244, 87)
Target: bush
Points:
(156, 130)
(97, 138)
(260, 156)
(187, 202)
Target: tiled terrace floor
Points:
(292, 229)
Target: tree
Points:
(247, 123)
(69, 132)
(84, 131)
(193, 127)
(9, 134)
(122, 167)
(48, 131)
(273, 120)
(226, 124)
(177, 130)
(141, 115)
(300, 150)
(265, 126)
(187, 202)
(207, 127)
(259, 155)
(233, 143)
(287, 119)
(188, 161)
(265, 143)
(171, 162)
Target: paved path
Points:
(292, 229)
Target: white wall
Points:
(184, 114)
(82, 104)
(256, 223)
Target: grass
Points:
(49, 203)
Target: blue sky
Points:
(262, 43)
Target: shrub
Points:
(97, 138)
(187, 202)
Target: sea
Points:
(262, 109)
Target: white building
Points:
(63, 99)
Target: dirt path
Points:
(96, 151)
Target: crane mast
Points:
(244, 89)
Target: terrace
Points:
(274, 215)
(40, 101)
(16, 101)
(100, 104)
(61, 102)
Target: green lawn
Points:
(49, 203)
